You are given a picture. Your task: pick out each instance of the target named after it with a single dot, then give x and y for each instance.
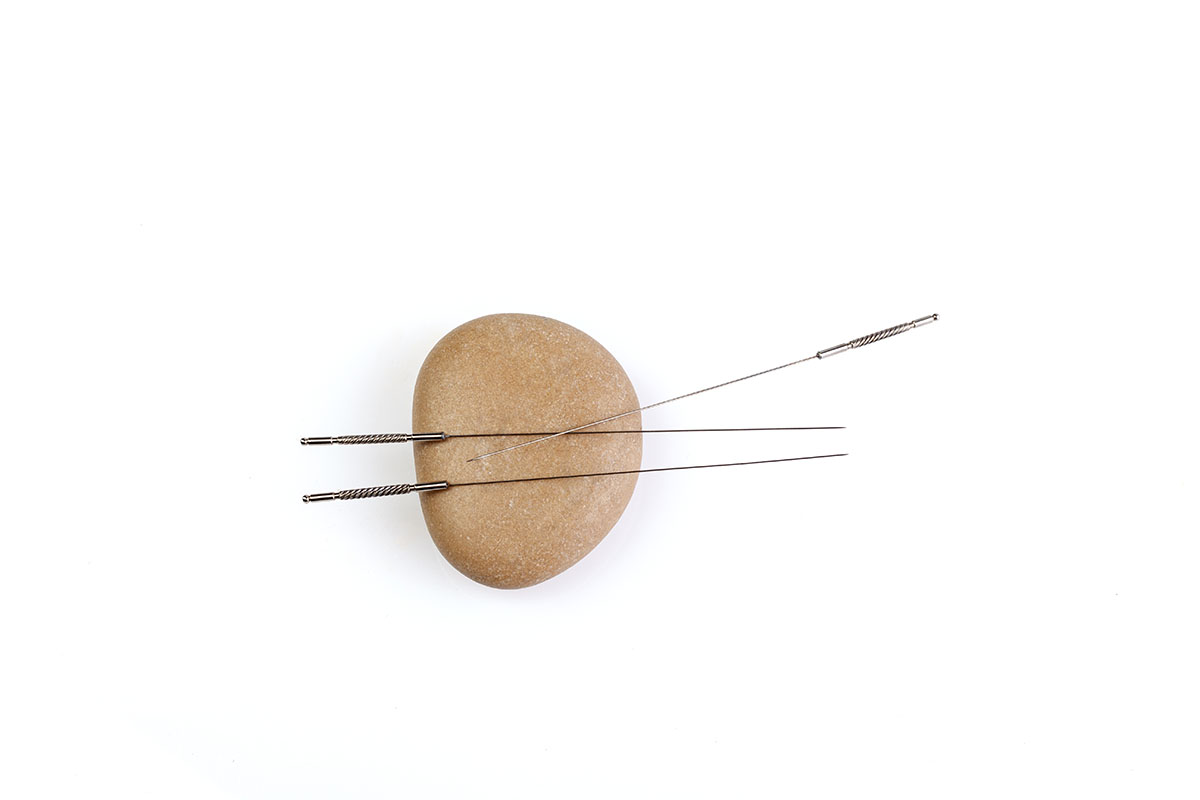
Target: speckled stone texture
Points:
(518, 372)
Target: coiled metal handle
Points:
(876, 336)
(376, 491)
(376, 438)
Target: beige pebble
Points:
(513, 373)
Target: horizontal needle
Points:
(406, 488)
(826, 353)
(390, 438)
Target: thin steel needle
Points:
(407, 488)
(655, 469)
(391, 438)
(636, 410)
(826, 353)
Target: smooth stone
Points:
(522, 373)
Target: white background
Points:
(227, 225)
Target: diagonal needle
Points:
(826, 353)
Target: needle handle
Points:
(876, 336)
(375, 438)
(376, 491)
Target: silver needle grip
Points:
(376, 491)
(876, 336)
(375, 438)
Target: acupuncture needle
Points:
(392, 438)
(407, 488)
(820, 354)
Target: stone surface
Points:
(517, 372)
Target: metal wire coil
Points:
(375, 438)
(877, 335)
(375, 491)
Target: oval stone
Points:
(518, 373)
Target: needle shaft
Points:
(407, 488)
(655, 469)
(827, 352)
